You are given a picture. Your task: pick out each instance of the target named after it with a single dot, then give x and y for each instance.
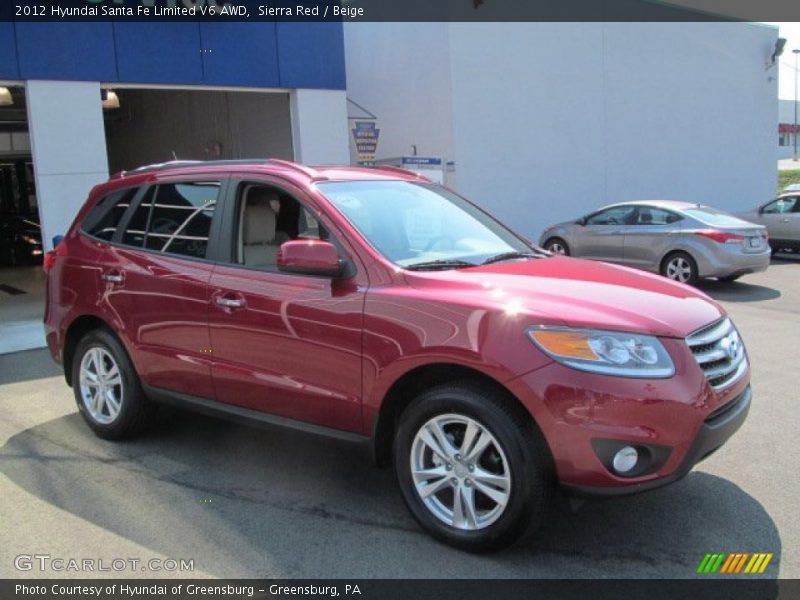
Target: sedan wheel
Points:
(557, 246)
(680, 267)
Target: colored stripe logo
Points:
(734, 563)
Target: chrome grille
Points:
(719, 351)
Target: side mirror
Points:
(581, 221)
(310, 257)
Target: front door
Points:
(603, 234)
(285, 344)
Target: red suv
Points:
(375, 306)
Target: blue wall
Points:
(262, 54)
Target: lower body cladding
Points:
(611, 436)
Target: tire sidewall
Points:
(131, 389)
(523, 465)
(561, 242)
(692, 263)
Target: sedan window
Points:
(782, 205)
(616, 215)
(649, 215)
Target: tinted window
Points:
(782, 205)
(104, 218)
(180, 218)
(137, 226)
(648, 215)
(617, 215)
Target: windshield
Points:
(415, 224)
(714, 217)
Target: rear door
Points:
(651, 235)
(603, 235)
(155, 282)
(283, 343)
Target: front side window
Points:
(104, 218)
(782, 205)
(174, 218)
(617, 215)
(268, 217)
(414, 223)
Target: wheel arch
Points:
(411, 383)
(77, 329)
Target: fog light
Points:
(625, 459)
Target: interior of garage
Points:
(21, 277)
(158, 125)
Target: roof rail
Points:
(293, 165)
(177, 164)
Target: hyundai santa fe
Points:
(376, 306)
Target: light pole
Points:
(796, 52)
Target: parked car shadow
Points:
(737, 291)
(245, 502)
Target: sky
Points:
(790, 31)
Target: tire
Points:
(556, 245)
(516, 458)
(680, 267)
(132, 412)
(728, 279)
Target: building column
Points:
(68, 143)
(319, 127)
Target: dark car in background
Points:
(20, 241)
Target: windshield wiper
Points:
(440, 264)
(510, 256)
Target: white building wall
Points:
(319, 127)
(65, 120)
(400, 73)
(551, 120)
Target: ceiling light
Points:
(5, 97)
(110, 99)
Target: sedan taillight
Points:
(721, 237)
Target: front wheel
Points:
(557, 246)
(473, 472)
(107, 389)
(680, 267)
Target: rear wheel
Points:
(473, 472)
(557, 246)
(107, 389)
(681, 267)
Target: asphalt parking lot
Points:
(244, 502)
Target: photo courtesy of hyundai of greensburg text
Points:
(383, 300)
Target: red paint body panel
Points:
(328, 351)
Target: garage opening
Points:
(21, 276)
(146, 126)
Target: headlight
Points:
(606, 352)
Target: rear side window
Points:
(649, 215)
(103, 220)
(174, 218)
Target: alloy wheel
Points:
(460, 472)
(101, 385)
(679, 269)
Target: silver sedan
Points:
(781, 217)
(680, 240)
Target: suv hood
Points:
(579, 293)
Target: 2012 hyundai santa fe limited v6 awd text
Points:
(375, 305)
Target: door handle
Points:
(113, 277)
(229, 302)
